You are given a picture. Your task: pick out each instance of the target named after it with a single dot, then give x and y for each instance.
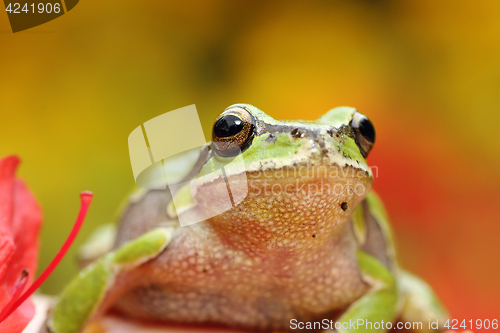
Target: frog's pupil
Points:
(367, 130)
(228, 126)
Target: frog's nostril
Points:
(296, 133)
(331, 132)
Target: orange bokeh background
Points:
(427, 74)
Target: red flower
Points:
(20, 220)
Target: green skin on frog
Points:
(307, 240)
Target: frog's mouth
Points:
(331, 173)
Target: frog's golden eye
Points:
(233, 132)
(364, 133)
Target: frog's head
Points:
(303, 178)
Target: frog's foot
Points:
(421, 304)
(377, 306)
(95, 288)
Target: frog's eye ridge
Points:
(364, 133)
(233, 132)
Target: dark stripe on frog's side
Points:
(375, 242)
(205, 154)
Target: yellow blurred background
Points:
(426, 72)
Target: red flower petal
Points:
(20, 220)
(7, 170)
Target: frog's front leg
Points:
(377, 306)
(98, 285)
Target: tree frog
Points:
(308, 241)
